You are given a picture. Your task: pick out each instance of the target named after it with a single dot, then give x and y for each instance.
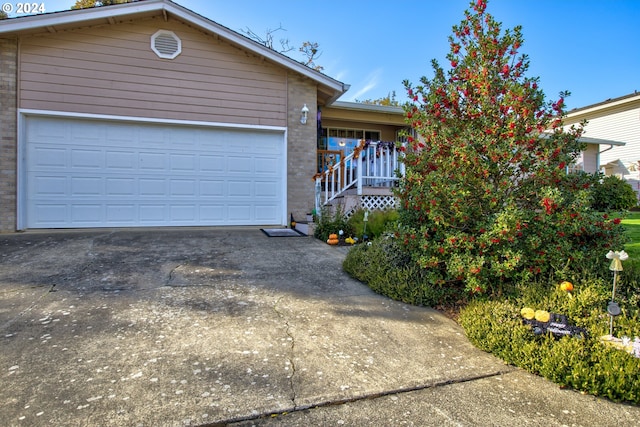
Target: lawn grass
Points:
(631, 223)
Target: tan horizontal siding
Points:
(112, 70)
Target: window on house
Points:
(345, 139)
(336, 143)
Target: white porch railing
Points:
(371, 164)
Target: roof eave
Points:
(389, 109)
(610, 103)
(69, 18)
(599, 141)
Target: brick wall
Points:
(301, 146)
(8, 133)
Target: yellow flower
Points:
(542, 315)
(527, 313)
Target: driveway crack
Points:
(290, 357)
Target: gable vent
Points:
(166, 44)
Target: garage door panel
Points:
(121, 187)
(150, 187)
(183, 187)
(47, 130)
(183, 163)
(120, 136)
(212, 163)
(88, 134)
(266, 166)
(86, 159)
(263, 212)
(239, 189)
(121, 213)
(153, 162)
(266, 189)
(86, 186)
(239, 165)
(88, 214)
(48, 158)
(118, 161)
(211, 188)
(91, 173)
(48, 185)
(152, 214)
(50, 214)
(150, 136)
(183, 214)
(242, 212)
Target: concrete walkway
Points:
(189, 327)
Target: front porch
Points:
(363, 178)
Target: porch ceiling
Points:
(368, 113)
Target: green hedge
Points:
(387, 271)
(584, 364)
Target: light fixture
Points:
(305, 114)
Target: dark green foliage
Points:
(378, 222)
(613, 194)
(332, 223)
(386, 269)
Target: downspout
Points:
(598, 157)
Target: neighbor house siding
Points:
(8, 133)
(112, 70)
(616, 123)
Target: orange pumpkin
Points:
(333, 239)
(566, 286)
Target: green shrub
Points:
(328, 224)
(584, 364)
(378, 222)
(387, 270)
(485, 201)
(613, 194)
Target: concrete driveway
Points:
(227, 326)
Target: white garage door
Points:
(98, 173)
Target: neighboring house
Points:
(617, 121)
(148, 114)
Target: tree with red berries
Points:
(486, 200)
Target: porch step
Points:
(306, 228)
(369, 191)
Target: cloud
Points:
(370, 82)
(341, 75)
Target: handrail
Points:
(371, 164)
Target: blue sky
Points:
(588, 47)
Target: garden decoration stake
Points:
(616, 265)
(364, 220)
